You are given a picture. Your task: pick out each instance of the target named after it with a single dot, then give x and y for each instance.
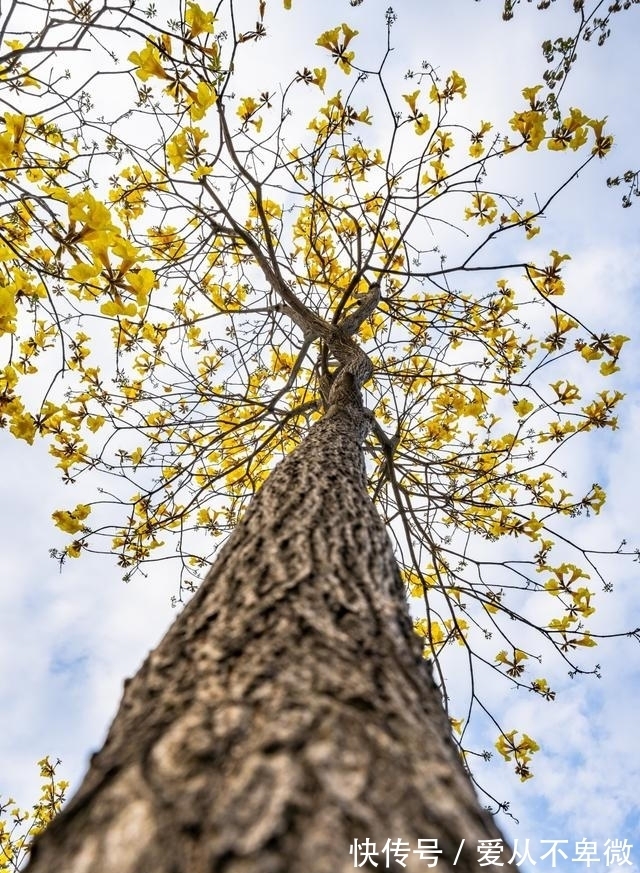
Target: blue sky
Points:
(68, 639)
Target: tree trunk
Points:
(288, 710)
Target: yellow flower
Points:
(71, 521)
(455, 84)
(337, 45)
(198, 21)
(74, 549)
(117, 307)
(484, 209)
(148, 63)
(476, 149)
(319, 77)
(442, 143)
(84, 272)
(530, 125)
(530, 94)
(566, 391)
(8, 309)
(411, 100)
(23, 426)
(201, 99)
(141, 283)
(603, 143)
(435, 183)
(176, 150)
(248, 106)
(523, 407)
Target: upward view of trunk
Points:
(288, 711)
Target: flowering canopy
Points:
(148, 259)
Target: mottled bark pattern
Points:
(288, 710)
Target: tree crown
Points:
(179, 262)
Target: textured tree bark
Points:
(288, 711)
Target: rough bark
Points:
(288, 710)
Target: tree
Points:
(20, 827)
(594, 19)
(285, 700)
(221, 279)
